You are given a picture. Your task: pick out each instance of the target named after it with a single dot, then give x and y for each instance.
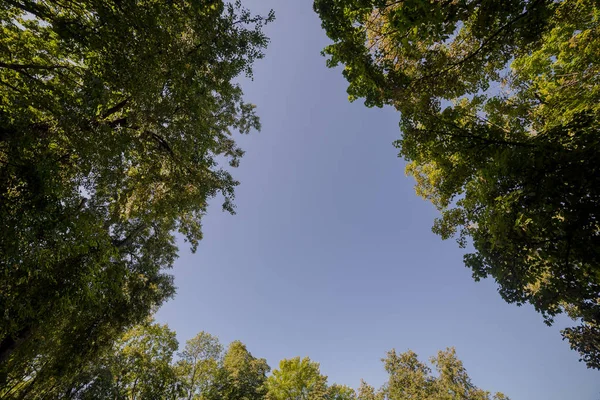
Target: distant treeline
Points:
(145, 364)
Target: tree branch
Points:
(483, 44)
(126, 240)
(116, 108)
(21, 67)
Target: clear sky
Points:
(331, 253)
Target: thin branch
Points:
(125, 241)
(21, 67)
(116, 108)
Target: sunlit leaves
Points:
(114, 119)
(409, 378)
(297, 379)
(499, 119)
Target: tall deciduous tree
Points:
(113, 117)
(368, 392)
(198, 364)
(137, 366)
(409, 378)
(241, 376)
(500, 117)
(297, 379)
(142, 364)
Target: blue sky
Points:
(331, 253)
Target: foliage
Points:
(500, 106)
(198, 364)
(368, 392)
(113, 115)
(241, 376)
(138, 365)
(411, 379)
(297, 379)
(206, 373)
(141, 365)
(340, 392)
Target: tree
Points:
(142, 366)
(297, 379)
(340, 392)
(241, 376)
(499, 104)
(411, 379)
(137, 366)
(198, 364)
(367, 392)
(114, 115)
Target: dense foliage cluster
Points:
(500, 120)
(113, 115)
(143, 364)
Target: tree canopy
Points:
(499, 104)
(297, 379)
(116, 130)
(409, 378)
(114, 119)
